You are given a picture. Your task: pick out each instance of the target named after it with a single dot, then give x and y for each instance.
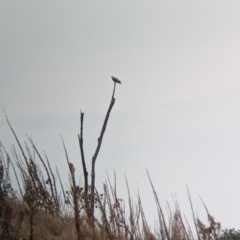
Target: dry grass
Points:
(41, 211)
(38, 209)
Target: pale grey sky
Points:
(176, 113)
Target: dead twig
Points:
(94, 158)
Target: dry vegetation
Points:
(39, 210)
(40, 207)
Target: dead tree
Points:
(94, 158)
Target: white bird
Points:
(116, 80)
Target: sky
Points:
(176, 112)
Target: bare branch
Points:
(98, 148)
(80, 139)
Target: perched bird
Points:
(116, 80)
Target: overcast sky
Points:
(176, 113)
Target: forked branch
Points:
(99, 143)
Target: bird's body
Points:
(116, 80)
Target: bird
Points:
(116, 80)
